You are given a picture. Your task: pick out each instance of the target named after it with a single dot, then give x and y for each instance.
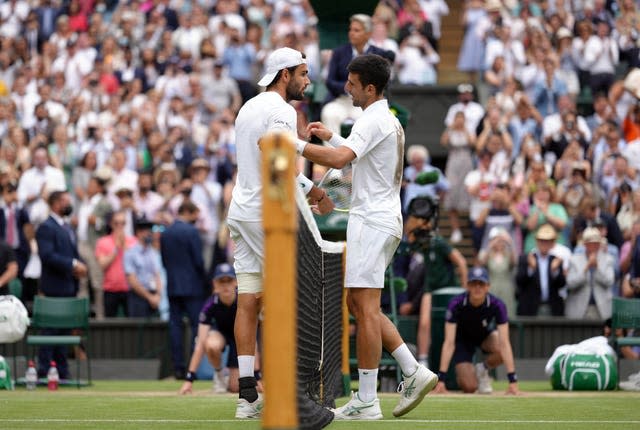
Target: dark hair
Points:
(372, 69)
(187, 207)
(55, 196)
(291, 70)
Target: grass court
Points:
(138, 405)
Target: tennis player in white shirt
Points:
(375, 148)
(286, 79)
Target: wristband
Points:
(513, 377)
(190, 376)
(442, 376)
(305, 183)
(300, 145)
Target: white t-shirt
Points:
(266, 111)
(377, 139)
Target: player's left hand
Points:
(513, 390)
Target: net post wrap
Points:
(280, 222)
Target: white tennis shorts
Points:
(369, 252)
(249, 245)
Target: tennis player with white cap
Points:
(285, 79)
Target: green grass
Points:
(122, 405)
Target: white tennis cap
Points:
(280, 59)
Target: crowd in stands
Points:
(130, 106)
(553, 197)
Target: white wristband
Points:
(300, 145)
(305, 183)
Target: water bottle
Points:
(52, 377)
(31, 377)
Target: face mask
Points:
(148, 240)
(67, 210)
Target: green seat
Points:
(625, 315)
(61, 313)
(15, 288)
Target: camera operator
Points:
(440, 262)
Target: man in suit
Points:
(15, 228)
(339, 106)
(61, 269)
(540, 278)
(181, 250)
(590, 279)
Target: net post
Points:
(280, 262)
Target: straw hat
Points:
(546, 232)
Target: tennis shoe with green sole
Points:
(356, 409)
(413, 388)
(249, 410)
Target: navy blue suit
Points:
(340, 59)
(181, 250)
(23, 251)
(57, 251)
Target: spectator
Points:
(460, 143)
(473, 111)
(590, 280)
(16, 231)
(181, 251)
(215, 333)
(418, 158)
(417, 61)
(476, 319)
(8, 267)
(544, 211)
(479, 184)
(110, 252)
(502, 213)
(601, 58)
(540, 277)
(144, 273)
(339, 107)
(500, 257)
(92, 224)
(590, 214)
(61, 269)
(476, 21)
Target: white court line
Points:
(396, 421)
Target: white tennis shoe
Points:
(356, 409)
(484, 380)
(247, 410)
(413, 388)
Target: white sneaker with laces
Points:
(356, 409)
(220, 382)
(413, 388)
(484, 380)
(456, 236)
(247, 410)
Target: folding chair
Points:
(61, 313)
(625, 315)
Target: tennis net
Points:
(319, 321)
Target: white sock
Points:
(245, 365)
(405, 359)
(367, 383)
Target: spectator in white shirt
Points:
(473, 111)
(601, 58)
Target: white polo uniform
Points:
(374, 229)
(267, 111)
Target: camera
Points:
(426, 209)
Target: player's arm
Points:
(448, 346)
(196, 357)
(507, 358)
(336, 156)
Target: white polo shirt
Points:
(377, 139)
(265, 112)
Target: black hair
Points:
(371, 69)
(55, 197)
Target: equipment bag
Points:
(584, 372)
(14, 319)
